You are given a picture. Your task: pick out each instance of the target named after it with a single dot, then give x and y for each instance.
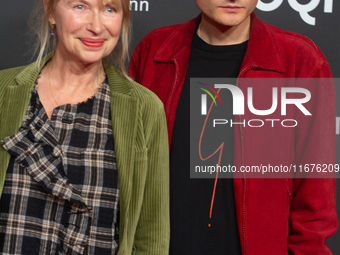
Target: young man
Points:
(250, 216)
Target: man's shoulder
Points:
(294, 44)
(162, 32)
(287, 52)
(297, 39)
(159, 35)
(180, 33)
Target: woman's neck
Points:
(65, 72)
(64, 81)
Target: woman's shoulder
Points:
(121, 84)
(146, 95)
(8, 76)
(10, 73)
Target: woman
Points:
(70, 125)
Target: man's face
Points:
(227, 12)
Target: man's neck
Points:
(217, 34)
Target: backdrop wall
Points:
(317, 19)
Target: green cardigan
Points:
(141, 147)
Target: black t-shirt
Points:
(190, 199)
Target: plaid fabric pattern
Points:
(61, 189)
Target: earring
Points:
(52, 29)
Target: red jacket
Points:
(275, 216)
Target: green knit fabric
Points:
(141, 146)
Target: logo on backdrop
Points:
(239, 105)
(302, 9)
(139, 5)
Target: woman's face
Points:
(87, 30)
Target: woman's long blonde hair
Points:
(46, 43)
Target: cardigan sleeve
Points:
(153, 229)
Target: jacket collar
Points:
(262, 53)
(179, 40)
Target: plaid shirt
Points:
(61, 189)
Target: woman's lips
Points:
(92, 43)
